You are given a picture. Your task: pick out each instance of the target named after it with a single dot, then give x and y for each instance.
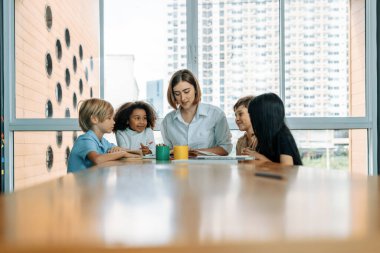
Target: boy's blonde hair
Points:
(93, 107)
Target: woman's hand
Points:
(193, 153)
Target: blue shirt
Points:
(209, 128)
(83, 145)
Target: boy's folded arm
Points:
(97, 158)
(115, 149)
(134, 151)
(131, 155)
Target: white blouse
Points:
(209, 128)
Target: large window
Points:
(324, 58)
(238, 50)
(140, 47)
(52, 62)
(312, 53)
(317, 55)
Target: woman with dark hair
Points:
(202, 127)
(134, 123)
(275, 141)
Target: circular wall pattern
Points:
(75, 100)
(67, 37)
(67, 77)
(67, 155)
(58, 93)
(75, 136)
(92, 63)
(67, 113)
(80, 52)
(48, 64)
(80, 86)
(49, 158)
(86, 74)
(58, 138)
(58, 49)
(48, 109)
(82, 91)
(48, 17)
(74, 64)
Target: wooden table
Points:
(144, 206)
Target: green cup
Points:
(162, 153)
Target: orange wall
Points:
(34, 87)
(358, 138)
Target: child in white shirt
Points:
(134, 123)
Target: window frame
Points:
(369, 122)
(2, 170)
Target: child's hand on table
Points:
(247, 151)
(145, 149)
(129, 155)
(115, 149)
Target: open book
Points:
(149, 156)
(206, 153)
(219, 157)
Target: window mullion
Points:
(101, 48)
(371, 85)
(282, 48)
(319, 123)
(44, 125)
(192, 35)
(9, 91)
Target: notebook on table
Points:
(218, 157)
(205, 155)
(149, 156)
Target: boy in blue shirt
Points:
(95, 119)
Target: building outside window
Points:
(316, 55)
(318, 70)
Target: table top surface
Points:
(160, 206)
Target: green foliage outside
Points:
(336, 162)
(317, 158)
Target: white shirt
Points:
(131, 139)
(209, 128)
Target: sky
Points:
(137, 28)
